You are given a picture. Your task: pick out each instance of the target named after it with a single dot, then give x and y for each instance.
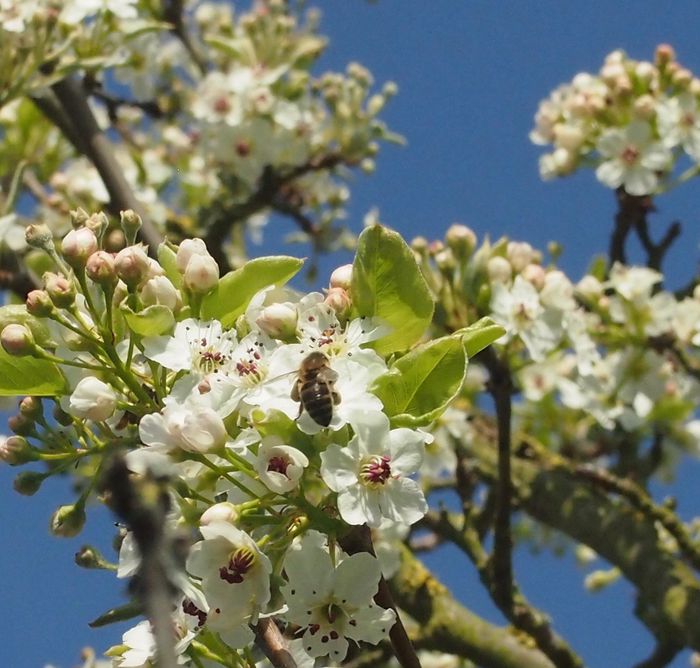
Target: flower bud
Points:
(78, 245)
(160, 290)
(520, 254)
(68, 521)
(114, 241)
(600, 579)
(89, 557)
(132, 265)
(589, 286)
(461, 239)
(339, 300)
(645, 71)
(39, 236)
(682, 77)
(92, 399)
(186, 250)
(201, 274)
(342, 277)
(220, 512)
(203, 431)
(665, 53)
(98, 224)
(535, 274)
(278, 321)
(60, 289)
(31, 408)
(131, 224)
(17, 340)
(445, 261)
(419, 245)
(39, 304)
(28, 483)
(499, 269)
(15, 450)
(101, 268)
(21, 425)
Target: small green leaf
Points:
(235, 290)
(118, 614)
(387, 284)
(152, 321)
(29, 376)
(167, 260)
(420, 385)
(479, 335)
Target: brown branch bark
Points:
(274, 645)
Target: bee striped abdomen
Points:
(316, 398)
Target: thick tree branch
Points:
(446, 626)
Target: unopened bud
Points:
(535, 274)
(461, 239)
(21, 425)
(30, 407)
(131, 224)
(39, 304)
(114, 241)
(60, 289)
(101, 268)
(186, 250)
(201, 274)
(132, 265)
(39, 236)
(600, 579)
(434, 247)
(278, 321)
(28, 483)
(339, 300)
(160, 290)
(68, 521)
(78, 246)
(342, 277)
(78, 218)
(220, 512)
(682, 77)
(419, 245)
(644, 71)
(665, 53)
(92, 399)
(90, 557)
(17, 340)
(98, 224)
(15, 450)
(499, 269)
(445, 261)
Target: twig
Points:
(357, 540)
(656, 251)
(98, 149)
(173, 14)
(271, 641)
(631, 210)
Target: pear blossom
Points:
(280, 466)
(678, 120)
(371, 473)
(92, 399)
(333, 602)
(632, 159)
(197, 346)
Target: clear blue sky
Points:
(470, 76)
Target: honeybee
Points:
(314, 388)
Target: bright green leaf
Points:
(479, 335)
(235, 290)
(119, 614)
(152, 321)
(421, 384)
(387, 284)
(167, 260)
(21, 376)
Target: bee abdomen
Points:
(317, 400)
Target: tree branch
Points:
(271, 641)
(632, 211)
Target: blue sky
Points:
(470, 77)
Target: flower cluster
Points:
(261, 405)
(633, 121)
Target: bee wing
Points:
(327, 375)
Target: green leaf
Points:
(167, 260)
(479, 335)
(152, 321)
(420, 385)
(387, 284)
(118, 614)
(17, 314)
(235, 290)
(21, 376)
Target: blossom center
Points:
(240, 562)
(630, 155)
(375, 470)
(278, 464)
(189, 608)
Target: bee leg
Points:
(336, 398)
(301, 410)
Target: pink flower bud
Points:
(30, 407)
(60, 289)
(278, 321)
(201, 274)
(159, 290)
(132, 265)
(665, 53)
(220, 512)
(101, 268)
(78, 245)
(339, 300)
(21, 425)
(535, 274)
(186, 250)
(17, 340)
(342, 277)
(499, 269)
(15, 450)
(39, 303)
